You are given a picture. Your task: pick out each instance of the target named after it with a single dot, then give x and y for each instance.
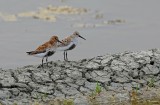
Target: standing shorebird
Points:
(69, 43)
(46, 50)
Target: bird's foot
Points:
(66, 60)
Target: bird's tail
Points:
(35, 52)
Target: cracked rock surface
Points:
(77, 78)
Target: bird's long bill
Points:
(60, 42)
(82, 37)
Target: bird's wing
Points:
(41, 49)
(66, 47)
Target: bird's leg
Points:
(64, 56)
(47, 61)
(42, 62)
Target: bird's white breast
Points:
(41, 55)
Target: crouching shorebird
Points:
(46, 50)
(69, 43)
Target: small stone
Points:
(59, 94)
(150, 69)
(82, 100)
(75, 74)
(113, 84)
(92, 65)
(133, 65)
(127, 86)
(4, 94)
(14, 91)
(135, 85)
(127, 59)
(90, 85)
(24, 78)
(106, 60)
(42, 77)
(84, 90)
(6, 79)
(70, 91)
(67, 80)
(73, 85)
(133, 73)
(105, 80)
(117, 62)
(157, 83)
(46, 89)
(122, 96)
(81, 81)
(120, 79)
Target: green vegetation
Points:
(68, 102)
(151, 83)
(98, 88)
(96, 92)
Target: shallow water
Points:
(139, 31)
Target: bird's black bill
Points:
(82, 37)
(60, 42)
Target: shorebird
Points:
(69, 43)
(46, 50)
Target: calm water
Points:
(141, 30)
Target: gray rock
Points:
(25, 78)
(84, 90)
(90, 85)
(81, 100)
(14, 92)
(92, 65)
(127, 58)
(133, 73)
(46, 89)
(67, 90)
(135, 85)
(4, 94)
(74, 74)
(103, 79)
(113, 84)
(120, 79)
(59, 94)
(7, 79)
(127, 86)
(73, 85)
(107, 59)
(117, 62)
(41, 77)
(66, 80)
(157, 83)
(81, 82)
(63, 79)
(123, 96)
(149, 69)
(70, 91)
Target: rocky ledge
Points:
(75, 79)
